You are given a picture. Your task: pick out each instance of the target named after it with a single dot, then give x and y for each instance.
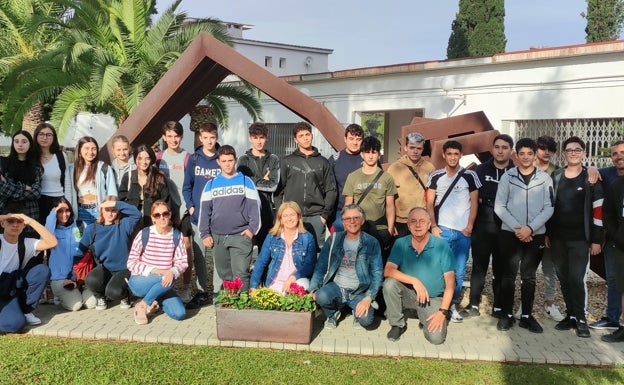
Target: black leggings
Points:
(112, 284)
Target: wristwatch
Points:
(444, 311)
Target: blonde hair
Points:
(278, 227)
(100, 219)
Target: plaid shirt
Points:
(11, 190)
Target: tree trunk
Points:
(33, 117)
(200, 115)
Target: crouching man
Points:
(419, 275)
(348, 272)
(22, 279)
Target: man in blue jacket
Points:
(202, 167)
(349, 272)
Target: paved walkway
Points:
(474, 339)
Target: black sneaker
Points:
(530, 324)
(201, 299)
(616, 336)
(604, 323)
(470, 311)
(582, 330)
(505, 323)
(566, 324)
(395, 332)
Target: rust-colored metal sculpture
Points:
(200, 68)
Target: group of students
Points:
(151, 218)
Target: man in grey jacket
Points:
(524, 205)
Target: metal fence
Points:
(598, 134)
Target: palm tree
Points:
(110, 57)
(30, 28)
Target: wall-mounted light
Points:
(448, 84)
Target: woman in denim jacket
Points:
(289, 251)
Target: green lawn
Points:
(38, 360)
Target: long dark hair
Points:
(155, 177)
(14, 168)
(64, 200)
(55, 146)
(80, 163)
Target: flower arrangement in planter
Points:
(295, 299)
(264, 316)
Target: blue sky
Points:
(372, 33)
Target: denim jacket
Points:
(272, 254)
(368, 264)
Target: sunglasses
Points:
(13, 221)
(164, 215)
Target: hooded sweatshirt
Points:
(200, 169)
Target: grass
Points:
(41, 360)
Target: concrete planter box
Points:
(264, 325)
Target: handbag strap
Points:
(448, 191)
(417, 177)
(370, 187)
(92, 238)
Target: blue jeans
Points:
(88, 216)
(338, 225)
(329, 297)
(460, 245)
(12, 314)
(151, 289)
(614, 297)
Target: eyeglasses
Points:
(45, 135)
(351, 219)
(164, 215)
(13, 221)
(577, 150)
(110, 209)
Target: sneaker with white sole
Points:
(455, 317)
(101, 304)
(553, 312)
(332, 322)
(125, 303)
(31, 319)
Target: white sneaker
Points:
(455, 317)
(125, 303)
(553, 312)
(31, 319)
(518, 314)
(101, 304)
(186, 295)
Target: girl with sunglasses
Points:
(113, 229)
(147, 184)
(61, 223)
(156, 265)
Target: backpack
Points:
(160, 154)
(61, 161)
(145, 238)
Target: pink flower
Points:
(238, 283)
(297, 289)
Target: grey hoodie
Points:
(518, 204)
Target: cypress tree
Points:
(604, 20)
(478, 29)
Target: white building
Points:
(558, 91)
